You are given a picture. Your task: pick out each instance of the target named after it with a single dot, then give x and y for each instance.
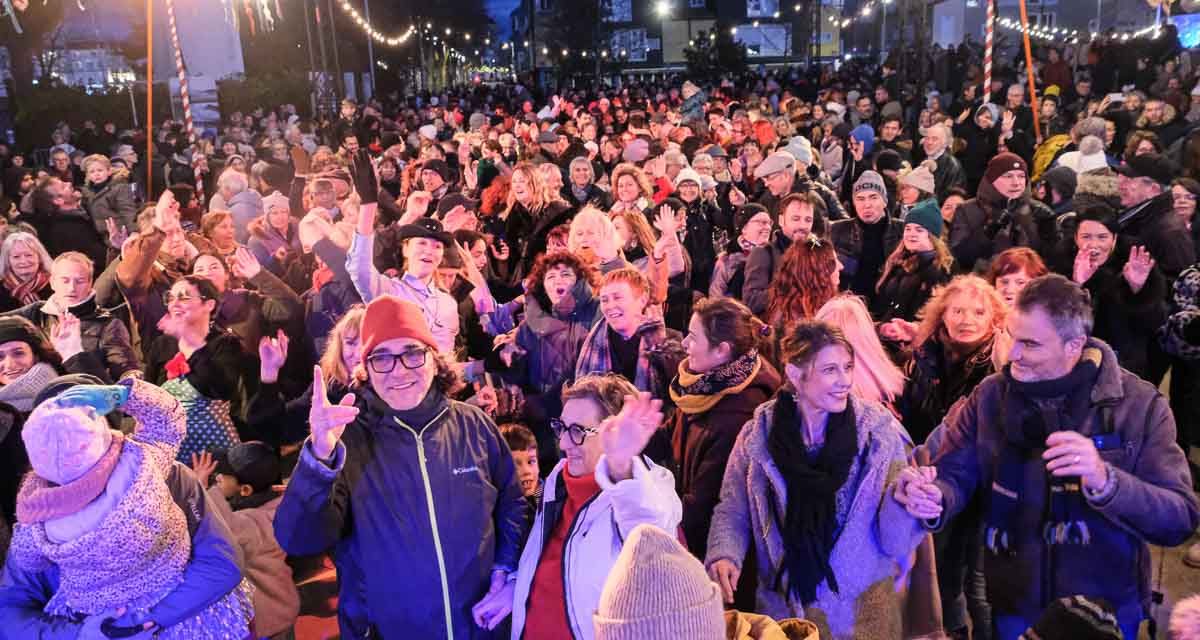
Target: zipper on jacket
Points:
(433, 524)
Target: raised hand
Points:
(500, 250)
(415, 207)
(1137, 268)
(166, 212)
(1008, 120)
(244, 265)
(470, 271)
(203, 465)
(1085, 267)
(624, 435)
(328, 421)
(272, 352)
(66, 337)
(666, 221)
(116, 235)
(857, 149)
(736, 197)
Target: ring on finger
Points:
(1076, 460)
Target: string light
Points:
(372, 32)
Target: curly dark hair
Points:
(583, 271)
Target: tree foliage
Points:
(709, 57)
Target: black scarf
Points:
(810, 525)
(1030, 412)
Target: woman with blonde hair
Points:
(552, 181)
(954, 347)
(280, 420)
(528, 218)
(24, 271)
(632, 190)
(218, 229)
(876, 377)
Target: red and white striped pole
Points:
(183, 94)
(987, 51)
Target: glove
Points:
(103, 398)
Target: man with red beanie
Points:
(1003, 214)
(417, 489)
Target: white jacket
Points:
(596, 537)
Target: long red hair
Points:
(803, 283)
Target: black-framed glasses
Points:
(577, 432)
(169, 297)
(386, 362)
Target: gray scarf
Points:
(20, 392)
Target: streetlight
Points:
(468, 37)
(662, 8)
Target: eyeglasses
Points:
(386, 362)
(577, 432)
(169, 297)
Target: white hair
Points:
(233, 181)
(26, 238)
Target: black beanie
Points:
(1076, 618)
(743, 216)
(15, 329)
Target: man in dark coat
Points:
(1003, 214)
(1148, 218)
(864, 242)
(1076, 460)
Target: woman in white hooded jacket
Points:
(592, 501)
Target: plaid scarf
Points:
(26, 292)
(597, 358)
(696, 393)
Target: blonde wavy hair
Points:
(876, 377)
(536, 187)
(639, 176)
(638, 227)
(333, 365)
(930, 316)
(552, 181)
(592, 217)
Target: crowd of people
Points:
(803, 354)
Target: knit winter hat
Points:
(1093, 126)
(658, 591)
(801, 149)
(1002, 164)
(636, 151)
(927, 214)
(63, 443)
(387, 318)
(1076, 618)
(871, 181)
(1061, 179)
(744, 214)
(1091, 155)
(921, 178)
(275, 201)
(687, 174)
(429, 132)
(18, 329)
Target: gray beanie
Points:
(658, 591)
(871, 181)
(1093, 126)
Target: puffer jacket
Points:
(698, 243)
(111, 200)
(595, 538)
(427, 504)
(876, 534)
(1152, 502)
(100, 332)
(988, 224)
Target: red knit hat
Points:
(388, 318)
(1002, 164)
